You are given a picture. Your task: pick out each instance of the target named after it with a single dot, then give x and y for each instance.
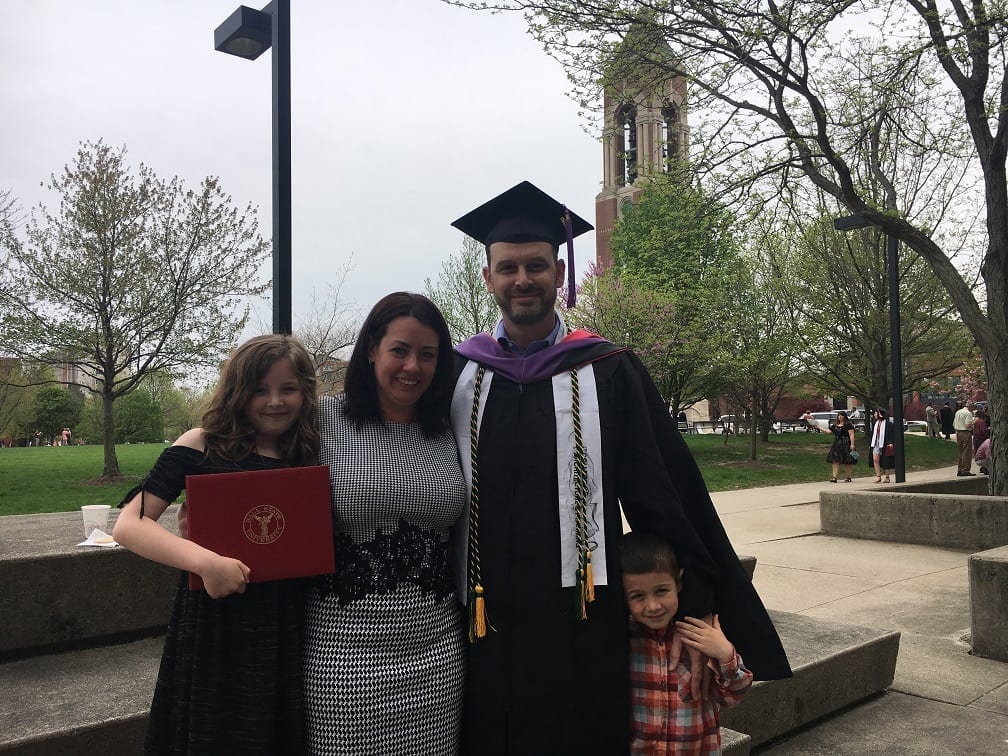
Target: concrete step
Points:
(834, 665)
(92, 701)
(96, 700)
(734, 743)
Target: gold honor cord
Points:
(477, 604)
(584, 580)
(585, 583)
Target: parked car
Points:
(728, 421)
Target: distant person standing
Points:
(946, 414)
(981, 428)
(963, 424)
(882, 438)
(931, 415)
(843, 445)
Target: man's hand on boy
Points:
(707, 638)
(699, 683)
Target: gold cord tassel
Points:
(477, 615)
(582, 596)
(589, 580)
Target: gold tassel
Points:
(477, 614)
(582, 595)
(589, 580)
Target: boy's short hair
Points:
(645, 552)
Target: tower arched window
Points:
(626, 144)
(670, 135)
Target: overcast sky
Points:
(406, 114)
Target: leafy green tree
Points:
(19, 382)
(131, 275)
(765, 350)
(672, 346)
(837, 287)
(675, 254)
(89, 427)
(138, 419)
(54, 409)
(460, 292)
(179, 405)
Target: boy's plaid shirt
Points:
(664, 717)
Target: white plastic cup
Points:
(95, 516)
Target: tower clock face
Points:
(625, 206)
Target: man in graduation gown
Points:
(556, 430)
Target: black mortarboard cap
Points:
(525, 213)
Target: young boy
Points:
(664, 717)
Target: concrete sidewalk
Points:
(943, 700)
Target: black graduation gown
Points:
(542, 682)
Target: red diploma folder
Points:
(278, 522)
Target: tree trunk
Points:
(111, 461)
(753, 420)
(997, 395)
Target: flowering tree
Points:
(130, 275)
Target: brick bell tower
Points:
(644, 130)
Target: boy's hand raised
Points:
(706, 638)
(699, 683)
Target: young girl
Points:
(230, 677)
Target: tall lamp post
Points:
(849, 223)
(248, 33)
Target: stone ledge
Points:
(976, 485)
(59, 596)
(834, 665)
(988, 586)
(955, 521)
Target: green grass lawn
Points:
(61, 479)
(798, 458)
(47, 479)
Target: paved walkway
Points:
(943, 700)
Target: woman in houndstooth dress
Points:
(384, 644)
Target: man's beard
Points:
(528, 315)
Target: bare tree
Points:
(460, 292)
(328, 329)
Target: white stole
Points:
(591, 433)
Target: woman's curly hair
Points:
(227, 430)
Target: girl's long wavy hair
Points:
(229, 433)
(360, 386)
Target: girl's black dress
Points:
(230, 676)
(841, 448)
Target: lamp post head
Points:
(851, 222)
(246, 33)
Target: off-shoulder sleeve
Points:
(167, 478)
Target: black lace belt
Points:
(409, 554)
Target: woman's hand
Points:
(224, 576)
